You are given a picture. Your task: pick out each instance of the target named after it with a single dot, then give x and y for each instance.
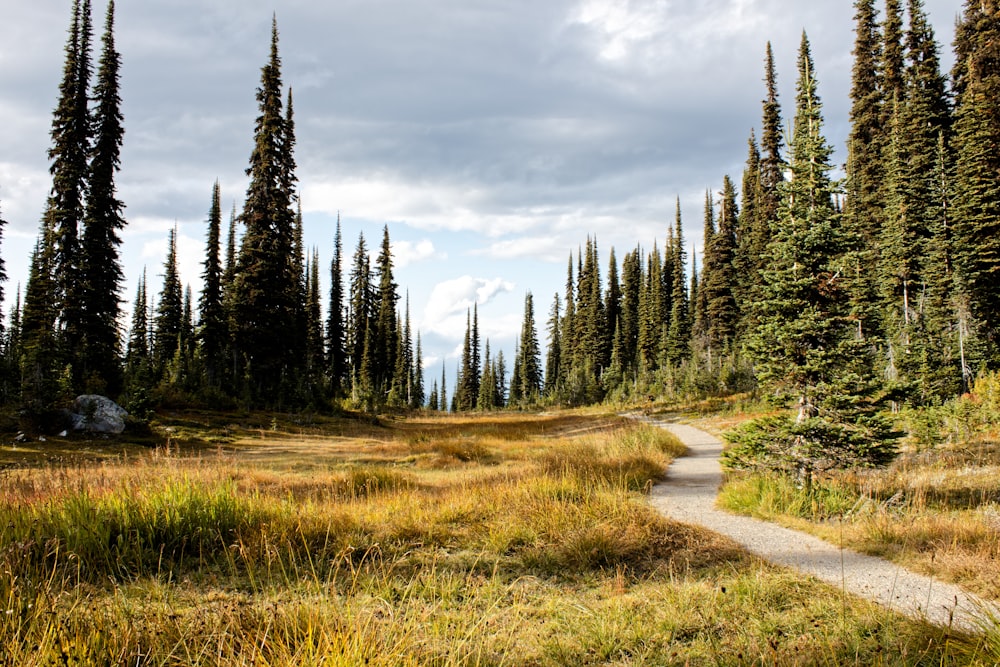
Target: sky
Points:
(491, 136)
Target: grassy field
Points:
(490, 540)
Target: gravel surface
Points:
(688, 494)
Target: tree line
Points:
(846, 296)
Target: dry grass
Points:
(935, 511)
(489, 540)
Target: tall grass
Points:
(539, 551)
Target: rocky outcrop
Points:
(98, 414)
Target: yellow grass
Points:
(482, 540)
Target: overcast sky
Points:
(492, 136)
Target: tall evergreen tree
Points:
(976, 84)
(721, 283)
(632, 282)
(72, 134)
(806, 345)
(267, 284)
(772, 162)
(169, 321)
(529, 356)
(679, 331)
(314, 352)
(97, 362)
(335, 326)
(386, 334)
(39, 361)
(138, 369)
(417, 395)
(751, 237)
(866, 161)
(553, 357)
(359, 318)
(213, 330)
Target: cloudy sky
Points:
(492, 136)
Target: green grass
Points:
(497, 540)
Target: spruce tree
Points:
(632, 282)
(385, 333)
(530, 367)
(977, 174)
(267, 283)
(806, 346)
(39, 361)
(721, 282)
(417, 395)
(72, 135)
(335, 325)
(553, 357)
(359, 318)
(213, 330)
(772, 162)
(138, 368)
(97, 363)
(679, 331)
(751, 238)
(866, 159)
(169, 321)
(314, 352)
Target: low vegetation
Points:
(447, 541)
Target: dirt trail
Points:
(689, 492)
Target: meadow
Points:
(507, 539)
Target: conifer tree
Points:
(632, 282)
(721, 282)
(314, 353)
(359, 315)
(138, 369)
(976, 79)
(98, 363)
(213, 330)
(679, 332)
(751, 238)
(553, 357)
(805, 345)
(443, 405)
(169, 321)
(500, 377)
(39, 361)
(866, 159)
(486, 399)
(432, 400)
(528, 362)
(568, 334)
(772, 163)
(651, 312)
(417, 396)
(385, 333)
(267, 284)
(72, 134)
(335, 326)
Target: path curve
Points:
(688, 494)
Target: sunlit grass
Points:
(484, 540)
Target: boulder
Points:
(98, 414)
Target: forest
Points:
(295, 486)
(850, 298)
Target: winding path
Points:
(689, 492)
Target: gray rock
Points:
(98, 414)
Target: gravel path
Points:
(688, 494)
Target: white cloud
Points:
(405, 253)
(446, 309)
